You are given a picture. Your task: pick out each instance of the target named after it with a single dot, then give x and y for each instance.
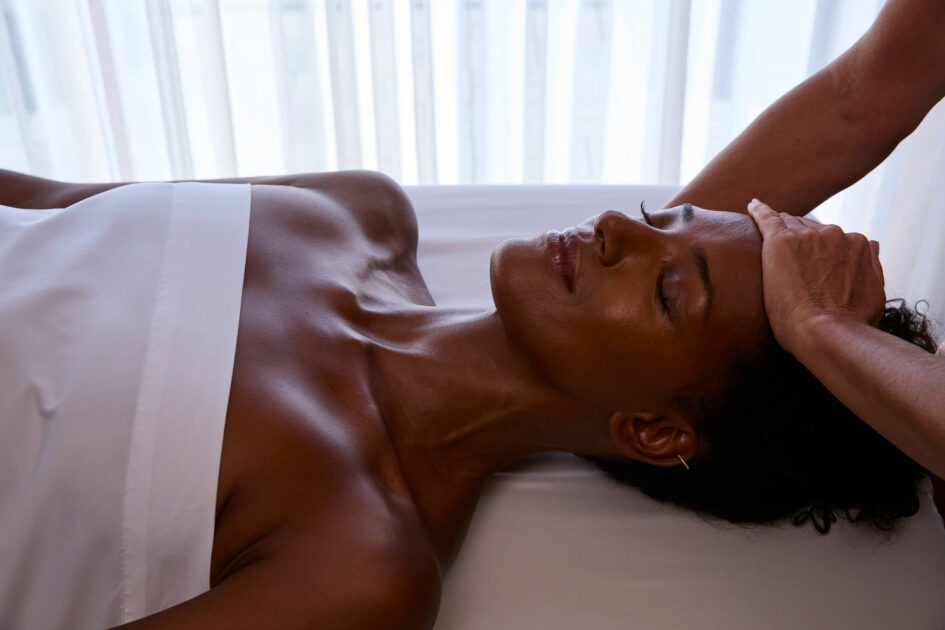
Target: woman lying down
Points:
(363, 421)
(355, 421)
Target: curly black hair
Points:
(776, 444)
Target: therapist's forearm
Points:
(796, 154)
(894, 386)
(832, 129)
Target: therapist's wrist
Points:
(824, 333)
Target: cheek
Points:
(648, 362)
(628, 354)
(627, 327)
(527, 298)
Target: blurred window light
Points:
(439, 92)
(427, 91)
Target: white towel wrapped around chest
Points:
(118, 321)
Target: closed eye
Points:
(659, 292)
(659, 278)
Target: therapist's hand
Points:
(812, 271)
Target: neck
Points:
(456, 389)
(461, 402)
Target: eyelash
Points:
(646, 217)
(659, 279)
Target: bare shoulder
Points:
(376, 200)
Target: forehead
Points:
(716, 228)
(731, 245)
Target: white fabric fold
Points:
(118, 321)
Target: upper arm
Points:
(835, 127)
(379, 590)
(897, 69)
(19, 190)
(353, 563)
(376, 200)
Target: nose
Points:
(618, 235)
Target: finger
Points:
(794, 223)
(857, 240)
(878, 315)
(837, 234)
(810, 222)
(880, 306)
(768, 221)
(874, 258)
(873, 252)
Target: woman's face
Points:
(654, 311)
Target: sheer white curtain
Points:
(441, 91)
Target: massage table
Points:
(555, 546)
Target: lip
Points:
(563, 255)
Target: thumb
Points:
(768, 221)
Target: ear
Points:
(654, 438)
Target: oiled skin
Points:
(316, 521)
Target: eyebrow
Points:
(703, 266)
(687, 212)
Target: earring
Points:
(683, 462)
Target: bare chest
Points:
(301, 421)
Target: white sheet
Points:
(118, 322)
(554, 546)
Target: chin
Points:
(523, 282)
(522, 291)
